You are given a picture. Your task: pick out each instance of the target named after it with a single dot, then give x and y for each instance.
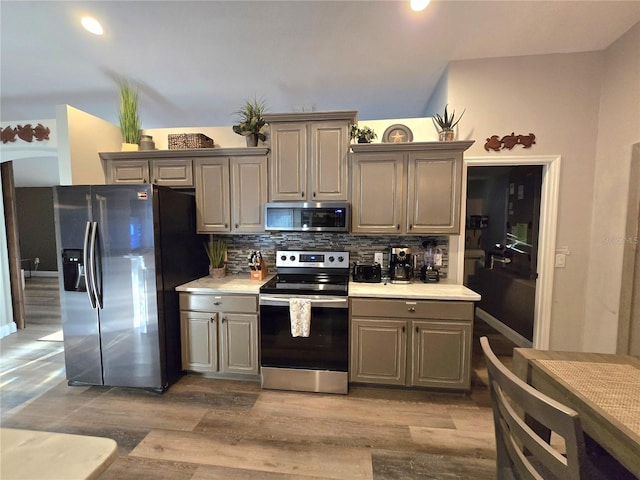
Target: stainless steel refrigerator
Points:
(122, 251)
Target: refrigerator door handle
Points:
(87, 266)
(92, 262)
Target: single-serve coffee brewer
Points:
(400, 265)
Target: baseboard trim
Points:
(42, 273)
(512, 335)
(8, 329)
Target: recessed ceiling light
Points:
(92, 25)
(419, 5)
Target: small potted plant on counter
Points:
(217, 252)
(128, 117)
(445, 124)
(250, 122)
(363, 135)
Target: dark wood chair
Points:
(524, 453)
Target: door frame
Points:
(550, 189)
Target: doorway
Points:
(549, 192)
(501, 246)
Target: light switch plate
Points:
(377, 257)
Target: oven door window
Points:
(326, 347)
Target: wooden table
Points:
(28, 454)
(604, 389)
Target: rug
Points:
(54, 337)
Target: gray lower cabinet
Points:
(219, 333)
(412, 343)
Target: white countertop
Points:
(242, 284)
(424, 291)
(28, 454)
(228, 284)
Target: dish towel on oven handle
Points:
(300, 314)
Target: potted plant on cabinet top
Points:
(445, 124)
(129, 118)
(217, 252)
(363, 135)
(250, 122)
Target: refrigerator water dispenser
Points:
(73, 270)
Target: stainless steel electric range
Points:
(319, 362)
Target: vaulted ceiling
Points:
(195, 62)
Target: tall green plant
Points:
(216, 250)
(128, 114)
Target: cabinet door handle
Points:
(403, 329)
(212, 319)
(314, 194)
(417, 331)
(412, 309)
(410, 226)
(398, 227)
(224, 319)
(236, 226)
(226, 225)
(302, 195)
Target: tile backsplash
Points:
(360, 247)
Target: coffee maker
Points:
(400, 265)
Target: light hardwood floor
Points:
(221, 429)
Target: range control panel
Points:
(314, 259)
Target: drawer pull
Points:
(412, 309)
(217, 303)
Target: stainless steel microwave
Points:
(307, 216)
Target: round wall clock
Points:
(397, 134)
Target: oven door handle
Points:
(316, 302)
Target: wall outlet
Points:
(561, 260)
(36, 260)
(377, 257)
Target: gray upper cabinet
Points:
(248, 193)
(309, 155)
(407, 188)
(288, 175)
(212, 195)
(377, 193)
(170, 168)
(231, 189)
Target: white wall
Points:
(438, 99)
(556, 97)
(35, 164)
(618, 130)
(81, 137)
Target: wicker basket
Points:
(182, 141)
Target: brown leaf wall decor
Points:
(509, 141)
(26, 133)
